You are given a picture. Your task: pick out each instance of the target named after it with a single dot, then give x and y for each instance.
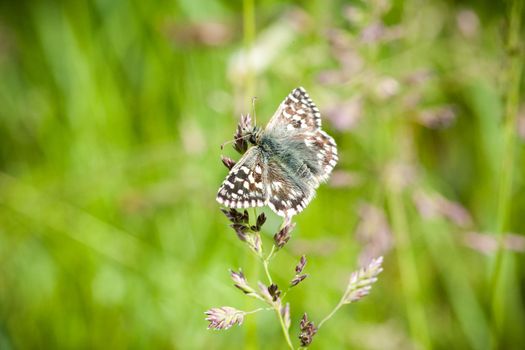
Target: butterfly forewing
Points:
(297, 113)
(244, 185)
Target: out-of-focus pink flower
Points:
(521, 123)
(387, 87)
(210, 33)
(438, 117)
(488, 243)
(433, 205)
(344, 178)
(345, 115)
(373, 232)
(468, 23)
(398, 175)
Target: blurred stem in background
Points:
(408, 271)
(407, 266)
(249, 37)
(512, 95)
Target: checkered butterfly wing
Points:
(296, 114)
(299, 118)
(288, 194)
(297, 123)
(244, 185)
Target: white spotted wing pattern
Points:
(289, 160)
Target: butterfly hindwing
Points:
(244, 185)
(288, 193)
(325, 150)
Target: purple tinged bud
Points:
(361, 281)
(245, 217)
(228, 162)
(308, 330)
(283, 236)
(243, 129)
(240, 282)
(274, 291)
(300, 266)
(224, 317)
(261, 219)
(297, 279)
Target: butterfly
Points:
(288, 161)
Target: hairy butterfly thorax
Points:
(287, 162)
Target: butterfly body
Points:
(288, 160)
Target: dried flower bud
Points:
(224, 317)
(297, 279)
(228, 213)
(243, 129)
(240, 282)
(302, 263)
(285, 313)
(283, 236)
(361, 281)
(240, 230)
(274, 291)
(308, 331)
(233, 215)
(261, 219)
(228, 162)
(239, 222)
(246, 122)
(245, 218)
(265, 293)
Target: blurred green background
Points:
(111, 117)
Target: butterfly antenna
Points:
(253, 110)
(235, 139)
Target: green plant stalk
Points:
(283, 327)
(409, 277)
(267, 270)
(513, 77)
(251, 327)
(266, 265)
(252, 262)
(332, 313)
(248, 38)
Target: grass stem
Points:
(407, 265)
(512, 94)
